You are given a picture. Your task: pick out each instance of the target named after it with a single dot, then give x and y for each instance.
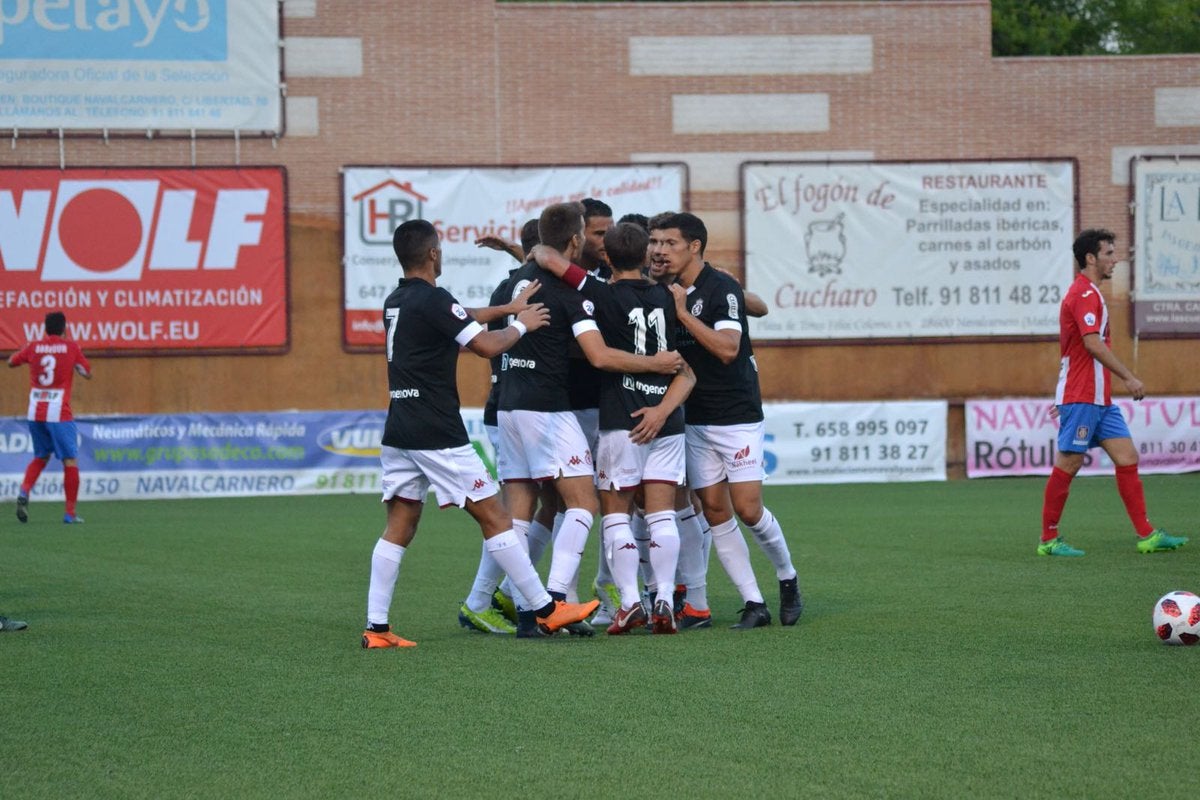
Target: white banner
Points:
(159, 65)
(1166, 267)
(855, 442)
(1018, 437)
(895, 251)
(465, 204)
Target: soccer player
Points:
(724, 417)
(540, 439)
(424, 441)
(53, 363)
(641, 423)
(1087, 416)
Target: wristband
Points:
(519, 327)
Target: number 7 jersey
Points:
(52, 362)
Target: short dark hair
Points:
(412, 240)
(1088, 243)
(691, 226)
(558, 223)
(595, 208)
(529, 235)
(641, 220)
(626, 244)
(56, 323)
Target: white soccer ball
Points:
(1177, 618)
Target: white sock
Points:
(521, 529)
(664, 550)
(622, 553)
(734, 556)
(692, 570)
(385, 568)
(603, 569)
(487, 578)
(538, 536)
(507, 551)
(641, 538)
(568, 548)
(769, 536)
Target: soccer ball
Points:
(1177, 618)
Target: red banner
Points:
(145, 259)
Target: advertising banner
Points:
(145, 259)
(465, 204)
(855, 442)
(140, 65)
(1018, 436)
(912, 250)
(1166, 264)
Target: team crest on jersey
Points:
(698, 307)
(589, 308)
(458, 311)
(1089, 318)
(731, 301)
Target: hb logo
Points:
(383, 207)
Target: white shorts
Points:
(456, 474)
(724, 452)
(542, 445)
(621, 464)
(493, 434)
(589, 423)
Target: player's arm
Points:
(561, 267)
(1099, 351)
(519, 303)
(724, 344)
(492, 343)
(601, 356)
(654, 417)
(496, 243)
(755, 305)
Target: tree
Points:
(1094, 27)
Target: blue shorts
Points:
(59, 438)
(1082, 426)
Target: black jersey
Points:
(499, 297)
(424, 326)
(725, 394)
(534, 372)
(635, 316)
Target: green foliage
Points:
(209, 648)
(1094, 27)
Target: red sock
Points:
(1057, 489)
(1130, 487)
(31, 474)
(71, 487)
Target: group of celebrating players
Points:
(621, 362)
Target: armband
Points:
(519, 327)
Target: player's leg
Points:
(706, 470)
(1077, 424)
(43, 448)
(694, 541)
(66, 447)
(575, 482)
(746, 497)
(403, 514)
(616, 538)
(664, 550)
(1116, 441)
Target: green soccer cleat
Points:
(1159, 541)
(1057, 547)
(505, 605)
(489, 621)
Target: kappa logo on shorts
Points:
(480, 483)
(630, 546)
(601, 475)
(575, 461)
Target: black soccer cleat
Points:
(791, 601)
(22, 508)
(754, 615)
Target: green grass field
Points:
(210, 649)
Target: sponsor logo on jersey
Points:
(404, 394)
(643, 387)
(1089, 318)
(458, 311)
(352, 440)
(509, 362)
(698, 307)
(732, 301)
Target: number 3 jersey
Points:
(725, 394)
(52, 364)
(637, 317)
(425, 326)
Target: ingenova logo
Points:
(127, 30)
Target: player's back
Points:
(53, 362)
(534, 371)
